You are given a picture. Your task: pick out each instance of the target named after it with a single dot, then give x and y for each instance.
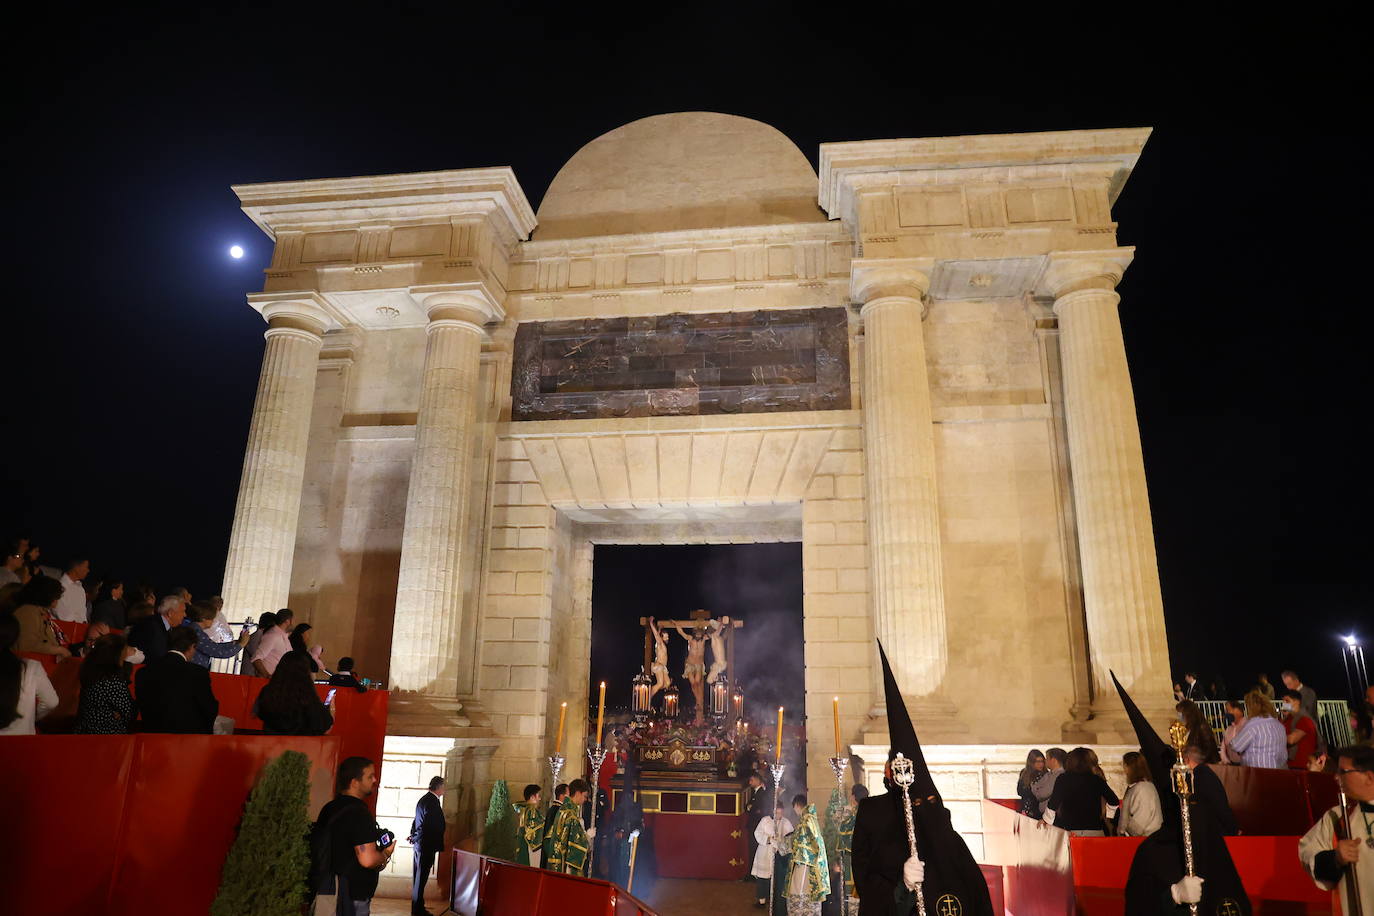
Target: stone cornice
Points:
(329, 203)
(844, 166)
(688, 238)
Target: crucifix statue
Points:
(697, 632)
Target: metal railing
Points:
(1333, 719)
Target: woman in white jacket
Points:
(26, 694)
(771, 835)
(1141, 814)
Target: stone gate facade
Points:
(912, 364)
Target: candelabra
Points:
(555, 767)
(839, 765)
(595, 756)
(904, 774)
(777, 770)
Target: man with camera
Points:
(347, 848)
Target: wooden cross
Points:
(699, 618)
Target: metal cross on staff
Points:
(903, 774)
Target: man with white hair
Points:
(149, 634)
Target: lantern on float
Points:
(737, 705)
(720, 694)
(670, 701)
(639, 696)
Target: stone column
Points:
(426, 647)
(1121, 595)
(257, 574)
(903, 508)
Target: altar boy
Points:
(1334, 863)
(773, 836)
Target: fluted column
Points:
(426, 648)
(903, 506)
(1121, 594)
(257, 574)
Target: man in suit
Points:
(174, 694)
(149, 634)
(427, 836)
(1192, 690)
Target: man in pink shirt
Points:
(275, 643)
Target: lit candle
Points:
(779, 734)
(600, 713)
(837, 726)
(562, 714)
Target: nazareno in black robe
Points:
(880, 841)
(1159, 862)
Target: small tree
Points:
(265, 872)
(834, 816)
(499, 839)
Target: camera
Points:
(386, 839)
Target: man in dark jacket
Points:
(755, 809)
(427, 836)
(174, 694)
(149, 634)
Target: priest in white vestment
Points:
(1346, 865)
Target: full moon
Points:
(236, 251)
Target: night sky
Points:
(131, 360)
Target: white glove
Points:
(913, 872)
(591, 833)
(136, 658)
(1187, 890)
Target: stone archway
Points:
(562, 486)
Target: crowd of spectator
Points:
(175, 639)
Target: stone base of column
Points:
(934, 718)
(424, 715)
(1109, 724)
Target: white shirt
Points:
(72, 605)
(36, 698)
(1140, 811)
(763, 834)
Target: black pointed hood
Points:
(902, 733)
(1159, 755)
(951, 870)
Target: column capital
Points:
(467, 302)
(1071, 271)
(905, 278)
(303, 311)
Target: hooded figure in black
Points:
(628, 817)
(952, 882)
(1154, 886)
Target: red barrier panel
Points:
(1273, 802)
(492, 887)
(1049, 873)
(359, 718)
(131, 824)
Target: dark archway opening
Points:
(758, 583)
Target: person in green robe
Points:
(808, 871)
(530, 827)
(844, 841)
(567, 845)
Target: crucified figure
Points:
(695, 669)
(717, 637)
(660, 666)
